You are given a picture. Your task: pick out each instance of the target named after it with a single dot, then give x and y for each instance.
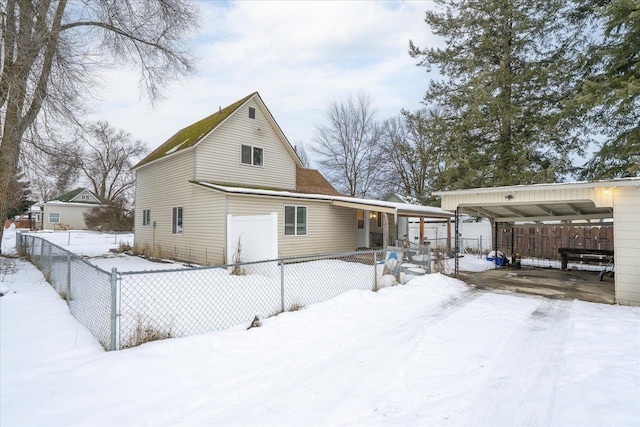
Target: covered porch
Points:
(381, 223)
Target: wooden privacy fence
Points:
(543, 240)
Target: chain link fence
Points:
(125, 309)
(85, 287)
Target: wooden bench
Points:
(587, 256)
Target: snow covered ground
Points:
(431, 352)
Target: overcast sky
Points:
(298, 55)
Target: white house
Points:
(67, 210)
(234, 177)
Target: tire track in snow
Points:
(261, 403)
(525, 371)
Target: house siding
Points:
(157, 192)
(218, 154)
(329, 228)
(91, 199)
(626, 231)
(70, 215)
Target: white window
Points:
(146, 217)
(252, 155)
(252, 113)
(54, 217)
(176, 220)
(84, 197)
(295, 220)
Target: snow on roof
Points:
(601, 183)
(405, 207)
(59, 202)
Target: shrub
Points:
(111, 217)
(148, 332)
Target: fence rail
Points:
(125, 309)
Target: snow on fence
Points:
(125, 309)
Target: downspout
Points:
(195, 163)
(226, 226)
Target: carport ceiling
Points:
(577, 201)
(540, 211)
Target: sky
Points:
(299, 56)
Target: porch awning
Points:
(393, 208)
(398, 209)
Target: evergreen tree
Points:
(612, 90)
(413, 144)
(508, 66)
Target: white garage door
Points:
(255, 235)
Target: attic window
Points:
(85, 197)
(252, 155)
(252, 113)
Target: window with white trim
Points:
(252, 155)
(176, 220)
(252, 113)
(54, 217)
(295, 220)
(146, 217)
(84, 197)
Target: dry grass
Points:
(147, 332)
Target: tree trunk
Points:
(9, 155)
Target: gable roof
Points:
(192, 134)
(68, 197)
(312, 181)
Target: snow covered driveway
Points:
(432, 352)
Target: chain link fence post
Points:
(282, 286)
(375, 272)
(68, 278)
(114, 309)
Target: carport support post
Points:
(457, 268)
(495, 242)
(449, 232)
(513, 250)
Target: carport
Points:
(569, 203)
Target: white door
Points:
(252, 237)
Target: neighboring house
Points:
(234, 177)
(67, 210)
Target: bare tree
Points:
(106, 157)
(52, 168)
(349, 146)
(302, 155)
(50, 51)
(414, 148)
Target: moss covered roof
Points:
(190, 135)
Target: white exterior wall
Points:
(329, 228)
(70, 214)
(218, 155)
(626, 233)
(165, 184)
(542, 195)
